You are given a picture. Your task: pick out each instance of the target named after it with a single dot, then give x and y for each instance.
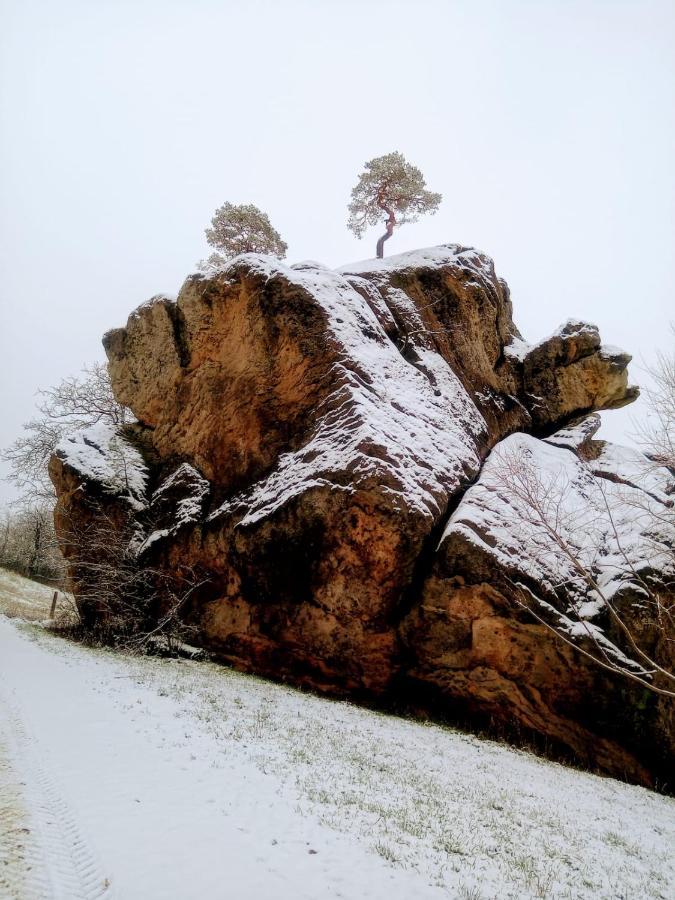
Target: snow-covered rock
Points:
(102, 455)
(307, 430)
(549, 540)
(177, 503)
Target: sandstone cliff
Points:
(305, 440)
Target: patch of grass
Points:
(466, 892)
(386, 852)
(22, 598)
(617, 840)
(537, 875)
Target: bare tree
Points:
(28, 543)
(241, 229)
(657, 433)
(75, 403)
(5, 533)
(122, 599)
(391, 186)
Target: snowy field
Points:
(26, 599)
(147, 778)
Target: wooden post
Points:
(53, 609)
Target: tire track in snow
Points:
(55, 860)
(22, 877)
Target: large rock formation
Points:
(305, 440)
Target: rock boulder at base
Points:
(306, 433)
(549, 559)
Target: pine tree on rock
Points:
(242, 229)
(392, 186)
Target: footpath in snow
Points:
(147, 778)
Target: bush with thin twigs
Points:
(551, 519)
(123, 600)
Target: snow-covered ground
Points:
(148, 778)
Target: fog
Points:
(549, 128)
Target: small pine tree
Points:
(393, 186)
(243, 229)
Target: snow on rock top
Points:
(625, 465)
(575, 336)
(427, 258)
(470, 266)
(577, 434)
(101, 454)
(543, 515)
(575, 328)
(517, 348)
(622, 465)
(385, 421)
(161, 298)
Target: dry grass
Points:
(21, 598)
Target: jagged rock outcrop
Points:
(304, 435)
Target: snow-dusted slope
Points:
(141, 778)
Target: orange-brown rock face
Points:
(304, 434)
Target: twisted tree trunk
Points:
(391, 221)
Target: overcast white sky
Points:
(548, 126)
